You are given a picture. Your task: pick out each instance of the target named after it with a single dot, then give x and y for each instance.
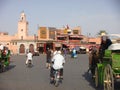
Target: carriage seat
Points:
(107, 55)
(116, 60)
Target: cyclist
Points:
(29, 57)
(58, 63)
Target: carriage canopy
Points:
(115, 46)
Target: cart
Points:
(108, 71)
(4, 61)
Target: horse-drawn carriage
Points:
(105, 72)
(4, 60)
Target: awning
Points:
(72, 45)
(76, 36)
(82, 47)
(57, 45)
(61, 36)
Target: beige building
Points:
(47, 37)
(21, 41)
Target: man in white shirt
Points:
(58, 62)
(29, 57)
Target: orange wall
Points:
(97, 40)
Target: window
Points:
(21, 30)
(75, 32)
(22, 18)
(15, 43)
(21, 37)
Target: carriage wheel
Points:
(96, 77)
(108, 78)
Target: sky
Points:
(91, 15)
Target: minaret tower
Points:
(22, 27)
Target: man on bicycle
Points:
(29, 57)
(58, 62)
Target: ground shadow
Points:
(11, 67)
(117, 85)
(8, 68)
(30, 66)
(88, 77)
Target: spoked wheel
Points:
(108, 78)
(96, 77)
(56, 83)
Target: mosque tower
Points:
(22, 27)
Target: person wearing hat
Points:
(58, 63)
(105, 43)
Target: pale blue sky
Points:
(91, 15)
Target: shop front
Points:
(40, 47)
(57, 45)
(43, 46)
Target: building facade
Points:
(21, 41)
(47, 37)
